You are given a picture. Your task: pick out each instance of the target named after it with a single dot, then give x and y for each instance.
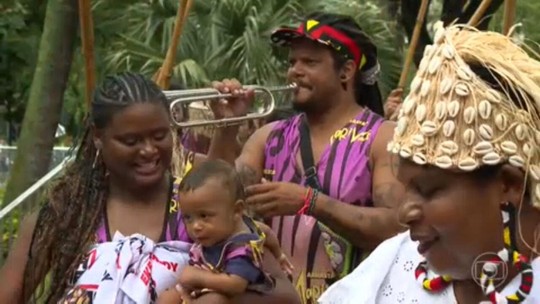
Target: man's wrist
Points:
(319, 204)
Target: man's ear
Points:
(348, 71)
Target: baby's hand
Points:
(173, 295)
(186, 296)
(285, 264)
(189, 277)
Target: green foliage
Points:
(20, 30)
(222, 39)
(527, 15)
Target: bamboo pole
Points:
(479, 14)
(87, 40)
(163, 76)
(414, 42)
(509, 15)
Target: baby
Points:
(227, 253)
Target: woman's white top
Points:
(387, 277)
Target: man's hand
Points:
(238, 105)
(286, 264)
(275, 198)
(393, 102)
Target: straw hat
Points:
(453, 119)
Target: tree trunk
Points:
(36, 141)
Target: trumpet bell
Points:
(192, 108)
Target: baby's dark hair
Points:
(219, 169)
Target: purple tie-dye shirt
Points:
(344, 174)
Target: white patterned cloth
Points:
(387, 277)
(128, 270)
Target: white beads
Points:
(483, 147)
(401, 125)
(415, 84)
(509, 147)
(484, 109)
(439, 36)
(428, 51)
(395, 148)
(537, 137)
(421, 112)
(440, 110)
(443, 162)
(516, 161)
(521, 131)
(491, 158)
(445, 85)
(469, 115)
(467, 164)
(453, 108)
(419, 158)
(448, 52)
(527, 150)
(408, 105)
(449, 147)
(462, 89)
(428, 128)
(501, 122)
(417, 140)
(468, 136)
(424, 90)
(448, 128)
(486, 132)
(464, 73)
(405, 152)
(434, 65)
(534, 170)
(493, 96)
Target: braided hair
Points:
(67, 223)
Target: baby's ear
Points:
(239, 207)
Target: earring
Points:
(96, 158)
(509, 252)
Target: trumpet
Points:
(182, 101)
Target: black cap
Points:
(346, 37)
(340, 32)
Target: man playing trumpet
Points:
(327, 184)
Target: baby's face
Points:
(208, 213)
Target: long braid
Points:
(67, 223)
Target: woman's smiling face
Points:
(455, 217)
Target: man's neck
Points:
(334, 116)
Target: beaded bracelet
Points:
(312, 202)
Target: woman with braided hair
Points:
(111, 229)
(467, 149)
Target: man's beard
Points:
(306, 107)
